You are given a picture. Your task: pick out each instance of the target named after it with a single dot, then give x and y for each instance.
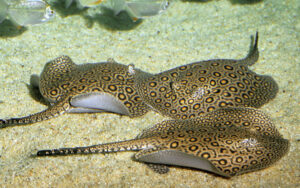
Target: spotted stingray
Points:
(181, 93)
(95, 87)
(226, 142)
(197, 88)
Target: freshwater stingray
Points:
(181, 93)
(191, 90)
(92, 87)
(226, 142)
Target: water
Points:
(186, 32)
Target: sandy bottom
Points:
(187, 32)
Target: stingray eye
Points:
(29, 12)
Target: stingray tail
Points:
(59, 108)
(253, 54)
(127, 145)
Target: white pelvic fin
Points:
(98, 102)
(178, 158)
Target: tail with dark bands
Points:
(53, 111)
(127, 145)
(63, 151)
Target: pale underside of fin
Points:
(85, 110)
(97, 102)
(178, 158)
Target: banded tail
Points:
(127, 145)
(57, 109)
